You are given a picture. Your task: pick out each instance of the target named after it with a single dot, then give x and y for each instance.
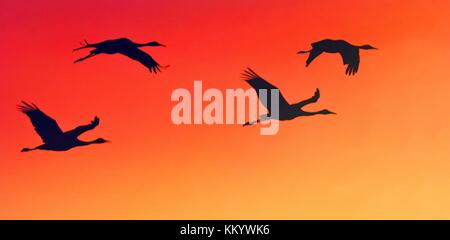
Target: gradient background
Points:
(385, 155)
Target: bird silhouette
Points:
(125, 47)
(349, 53)
(53, 137)
(286, 111)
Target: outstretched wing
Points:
(142, 57)
(313, 54)
(44, 125)
(81, 129)
(317, 49)
(259, 83)
(350, 57)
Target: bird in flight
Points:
(53, 137)
(125, 47)
(287, 111)
(349, 52)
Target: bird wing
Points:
(320, 43)
(259, 83)
(350, 57)
(313, 54)
(142, 57)
(317, 49)
(81, 129)
(45, 126)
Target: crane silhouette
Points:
(125, 47)
(53, 137)
(349, 52)
(286, 111)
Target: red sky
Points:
(385, 155)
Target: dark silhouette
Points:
(53, 137)
(349, 52)
(286, 111)
(125, 47)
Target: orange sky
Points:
(385, 155)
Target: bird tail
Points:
(302, 52)
(76, 49)
(84, 44)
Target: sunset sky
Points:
(385, 155)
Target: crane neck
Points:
(85, 143)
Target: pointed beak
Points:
(162, 45)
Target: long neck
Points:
(84, 143)
(366, 47)
(141, 44)
(304, 113)
(145, 44)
